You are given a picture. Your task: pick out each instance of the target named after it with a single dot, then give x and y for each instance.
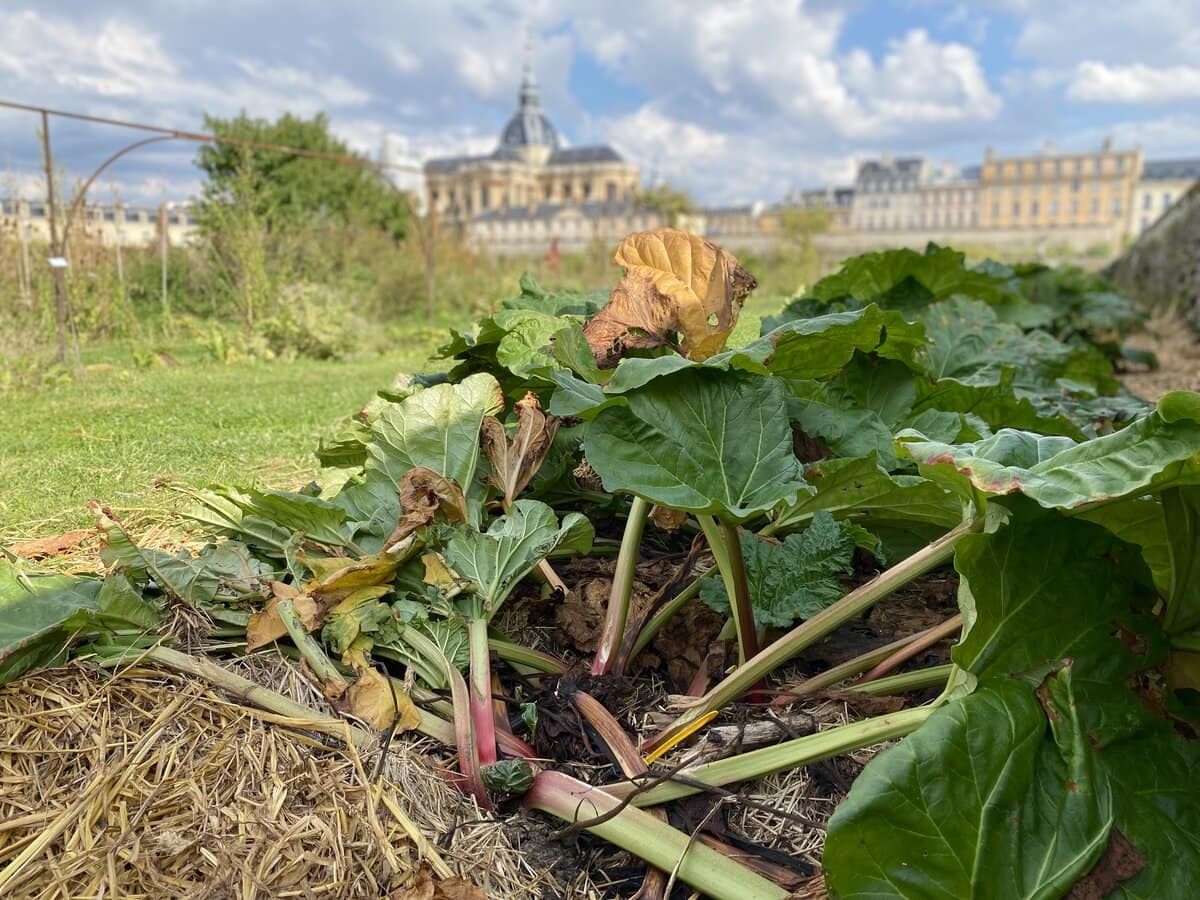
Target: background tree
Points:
(665, 200)
(287, 191)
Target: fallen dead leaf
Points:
(377, 702)
(44, 548)
(266, 626)
(677, 286)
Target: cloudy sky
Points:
(732, 101)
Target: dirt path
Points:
(1178, 353)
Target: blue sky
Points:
(733, 101)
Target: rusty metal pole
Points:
(56, 269)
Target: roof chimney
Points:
(989, 154)
(1048, 148)
(1107, 146)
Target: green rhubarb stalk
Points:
(643, 835)
(924, 641)
(527, 657)
(334, 685)
(848, 669)
(781, 757)
(464, 733)
(726, 548)
(934, 676)
(482, 711)
(264, 698)
(622, 587)
(807, 633)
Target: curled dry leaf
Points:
(266, 626)
(44, 548)
(678, 290)
(668, 519)
(423, 492)
(377, 702)
(516, 460)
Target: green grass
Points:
(119, 432)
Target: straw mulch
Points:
(152, 785)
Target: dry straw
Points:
(150, 785)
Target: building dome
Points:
(528, 127)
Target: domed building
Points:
(531, 186)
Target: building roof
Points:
(902, 165)
(595, 209)
(567, 156)
(1164, 169)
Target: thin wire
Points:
(203, 138)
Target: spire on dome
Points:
(528, 126)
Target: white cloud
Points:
(1096, 82)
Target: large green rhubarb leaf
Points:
(42, 615)
(701, 440)
(860, 488)
(494, 561)
(1066, 603)
(979, 803)
(1152, 454)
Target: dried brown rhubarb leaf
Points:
(423, 493)
(679, 290)
(516, 460)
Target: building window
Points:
(1116, 206)
(1074, 207)
(1016, 210)
(1033, 208)
(1094, 208)
(1147, 201)
(974, 218)
(587, 190)
(484, 197)
(1145, 221)
(995, 210)
(549, 192)
(1075, 185)
(1120, 164)
(610, 193)
(1166, 201)
(1054, 207)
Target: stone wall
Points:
(1162, 269)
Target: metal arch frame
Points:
(81, 194)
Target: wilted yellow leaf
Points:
(436, 571)
(379, 702)
(334, 584)
(266, 626)
(676, 284)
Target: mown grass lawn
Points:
(116, 434)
